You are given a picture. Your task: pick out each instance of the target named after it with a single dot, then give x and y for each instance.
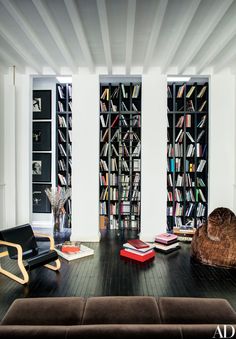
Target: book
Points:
(141, 258)
(202, 106)
(115, 121)
(140, 250)
(190, 92)
(70, 247)
(202, 92)
(166, 248)
(166, 238)
(137, 243)
(84, 252)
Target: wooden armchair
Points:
(21, 245)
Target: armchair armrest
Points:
(52, 243)
(12, 244)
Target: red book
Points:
(141, 258)
(115, 120)
(138, 243)
(70, 249)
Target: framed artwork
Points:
(40, 201)
(41, 136)
(41, 167)
(41, 104)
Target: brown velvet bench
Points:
(116, 317)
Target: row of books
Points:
(115, 94)
(176, 151)
(63, 152)
(104, 108)
(62, 137)
(174, 165)
(190, 107)
(134, 120)
(62, 121)
(180, 136)
(189, 195)
(118, 136)
(121, 151)
(122, 207)
(189, 93)
(178, 210)
(184, 180)
(186, 120)
(104, 179)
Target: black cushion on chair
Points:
(41, 259)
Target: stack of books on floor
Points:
(184, 233)
(166, 242)
(137, 250)
(71, 250)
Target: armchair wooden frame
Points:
(20, 262)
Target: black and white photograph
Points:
(41, 167)
(41, 103)
(40, 201)
(42, 136)
(37, 167)
(37, 105)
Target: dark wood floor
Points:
(106, 273)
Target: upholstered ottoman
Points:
(214, 243)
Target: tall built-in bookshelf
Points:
(120, 155)
(64, 140)
(187, 153)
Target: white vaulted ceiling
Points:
(58, 35)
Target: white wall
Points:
(154, 134)
(23, 148)
(9, 150)
(2, 181)
(222, 141)
(85, 158)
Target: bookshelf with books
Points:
(64, 140)
(187, 153)
(120, 155)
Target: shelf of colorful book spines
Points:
(120, 98)
(187, 123)
(187, 97)
(116, 122)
